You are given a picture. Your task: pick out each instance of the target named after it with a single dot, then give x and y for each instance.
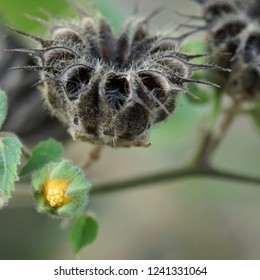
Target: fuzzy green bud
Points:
(60, 189)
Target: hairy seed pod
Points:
(111, 88)
(234, 29)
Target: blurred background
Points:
(187, 219)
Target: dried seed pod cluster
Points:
(111, 88)
(234, 28)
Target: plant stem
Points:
(229, 116)
(23, 196)
(26, 151)
(215, 110)
(173, 175)
(92, 157)
(211, 139)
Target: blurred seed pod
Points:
(233, 29)
(111, 88)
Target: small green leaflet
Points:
(83, 232)
(3, 107)
(10, 153)
(43, 153)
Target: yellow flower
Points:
(60, 189)
(54, 192)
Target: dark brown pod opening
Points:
(228, 31)
(57, 54)
(252, 48)
(213, 11)
(116, 90)
(77, 78)
(155, 84)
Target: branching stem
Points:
(173, 175)
(23, 195)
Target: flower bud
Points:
(60, 189)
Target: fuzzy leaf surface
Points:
(3, 107)
(10, 153)
(83, 232)
(43, 153)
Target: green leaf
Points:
(14, 17)
(62, 8)
(10, 153)
(3, 107)
(43, 153)
(83, 232)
